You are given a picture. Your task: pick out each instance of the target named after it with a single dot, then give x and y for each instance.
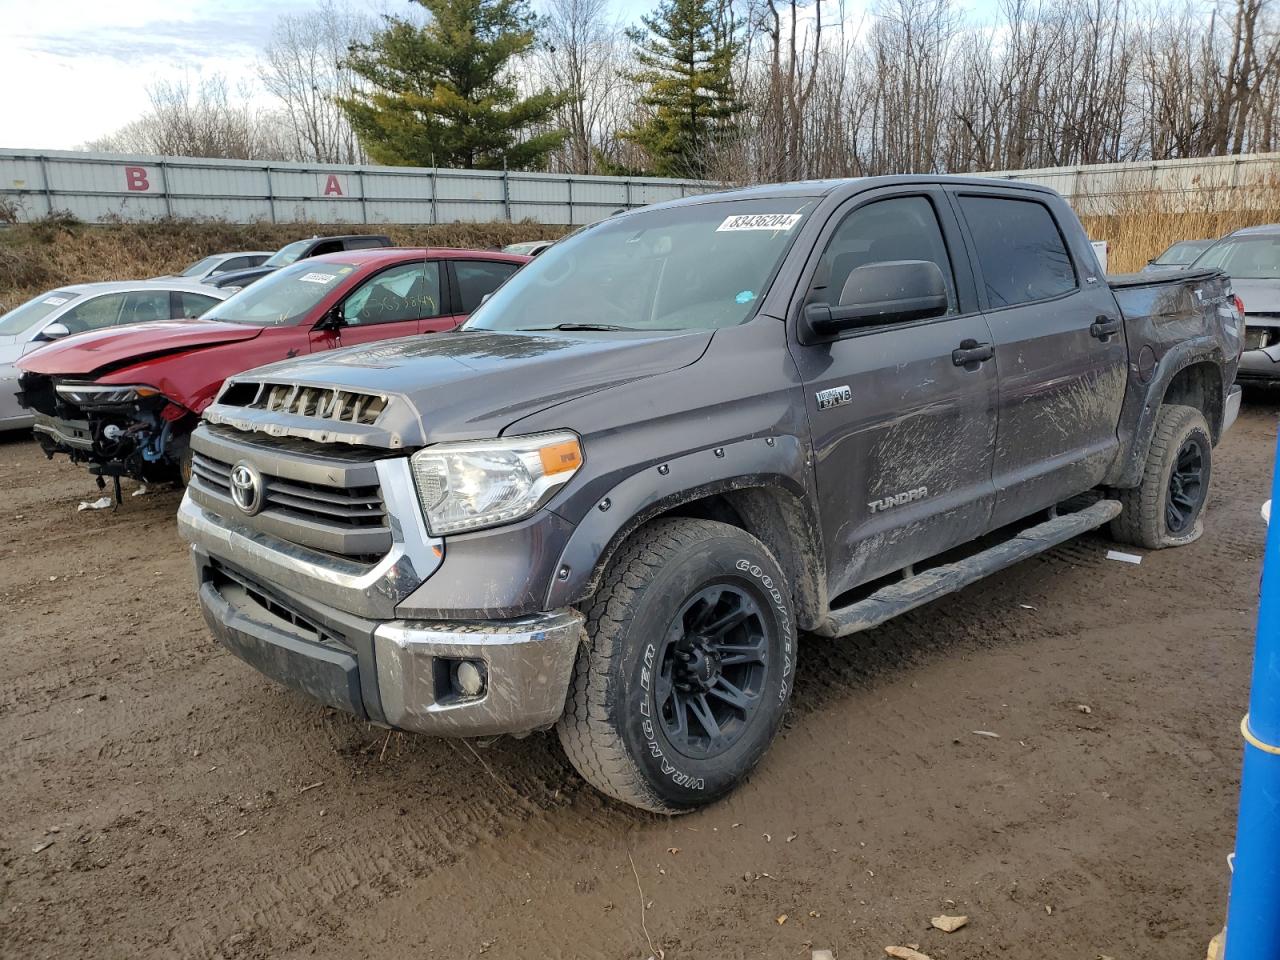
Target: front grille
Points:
(348, 521)
(244, 592)
(325, 403)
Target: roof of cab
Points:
(1262, 230)
(847, 185)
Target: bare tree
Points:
(304, 67)
(200, 120)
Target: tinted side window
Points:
(899, 228)
(476, 278)
(94, 314)
(235, 263)
(1020, 249)
(193, 304)
(407, 292)
(327, 246)
(364, 243)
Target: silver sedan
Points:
(81, 307)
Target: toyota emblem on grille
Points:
(246, 488)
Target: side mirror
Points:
(893, 291)
(332, 320)
(55, 331)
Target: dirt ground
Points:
(160, 799)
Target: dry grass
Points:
(48, 253)
(1140, 223)
(34, 257)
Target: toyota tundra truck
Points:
(610, 502)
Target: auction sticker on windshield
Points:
(760, 221)
(317, 278)
(54, 301)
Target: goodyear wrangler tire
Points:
(1164, 509)
(685, 675)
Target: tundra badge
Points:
(898, 499)
(834, 397)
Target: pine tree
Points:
(686, 53)
(442, 94)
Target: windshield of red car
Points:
(283, 297)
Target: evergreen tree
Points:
(442, 94)
(686, 53)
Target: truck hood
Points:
(1259, 296)
(101, 350)
(457, 386)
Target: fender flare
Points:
(777, 461)
(1127, 471)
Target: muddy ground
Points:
(159, 799)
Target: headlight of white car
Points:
(469, 486)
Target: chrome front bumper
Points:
(527, 666)
(327, 626)
(366, 590)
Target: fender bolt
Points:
(563, 573)
(720, 451)
(664, 469)
(604, 504)
(769, 441)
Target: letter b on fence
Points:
(135, 179)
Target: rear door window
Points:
(145, 306)
(476, 278)
(189, 305)
(1020, 249)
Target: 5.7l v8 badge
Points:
(834, 397)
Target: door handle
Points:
(972, 352)
(1104, 327)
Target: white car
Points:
(203, 270)
(80, 307)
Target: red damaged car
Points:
(125, 400)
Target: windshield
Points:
(287, 254)
(33, 311)
(1244, 258)
(283, 297)
(201, 267)
(1181, 253)
(698, 266)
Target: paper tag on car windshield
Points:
(54, 301)
(759, 221)
(317, 277)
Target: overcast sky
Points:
(74, 70)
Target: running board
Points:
(913, 591)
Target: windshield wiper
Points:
(578, 326)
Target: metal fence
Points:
(1217, 183)
(96, 187)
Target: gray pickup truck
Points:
(683, 435)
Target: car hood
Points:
(465, 385)
(240, 278)
(102, 350)
(1259, 296)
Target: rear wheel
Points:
(1164, 509)
(687, 670)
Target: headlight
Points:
(89, 394)
(468, 486)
